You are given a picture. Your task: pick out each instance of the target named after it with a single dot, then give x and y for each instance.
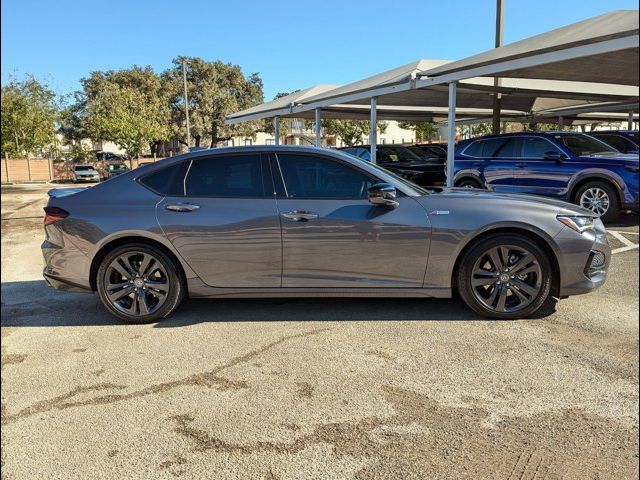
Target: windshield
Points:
(398, 178)
(82, 168)
(583, 145)
(118, 167)
(397, 154)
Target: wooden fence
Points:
(15, 170)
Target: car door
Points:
(332, 237)
(542, 169)
(225, 223)
(492, 159)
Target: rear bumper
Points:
(63, 285)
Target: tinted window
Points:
(226, 176)
(536, 147)
(316, 177)
(585, 145)
(396, 154)
(616, 141)
(485, 148)
(167, 181)
(511, 148)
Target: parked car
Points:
(625, 141)
(110, 157)
(85, 173)
(402, 161)
(301, 221)
(569, 166)
(430, 150)
(115, 169)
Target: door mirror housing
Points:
(383, 194)
(554, 155)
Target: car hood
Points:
(509, 199)
(86, 172)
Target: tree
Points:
(215, 90)
(425, 131)
(129, 107)
(29, 113)
(121, 115)
(350, 131)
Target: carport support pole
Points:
(318, 127)
(451, 134)
(630, 120)
(373, 131)
(276, 129)
(560, 123)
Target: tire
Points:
(525, 292)
(468, 183)
(143, 295)
(603, 191)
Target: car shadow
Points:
(34, 304)
(624, 220)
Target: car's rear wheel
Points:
(139, 283)
(601, 198)
(505, 277)
(468, 183)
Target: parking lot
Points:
(313, 388)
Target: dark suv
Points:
(402, 161)
(625, 141)
(570, 166)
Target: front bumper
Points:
(585, 259)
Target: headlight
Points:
(579, 223)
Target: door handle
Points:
(521, 165)
(478, 164)
(182, 207)
(299, 216)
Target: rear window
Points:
(167, 181)
(82, 168)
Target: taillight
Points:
(53, 214)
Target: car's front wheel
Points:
(505, 277)
(140, 283)
(601, 198)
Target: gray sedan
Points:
(282, 221)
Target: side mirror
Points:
(383, 194)
(554, 155)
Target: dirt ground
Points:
(312, 388)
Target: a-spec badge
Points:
(439, 212)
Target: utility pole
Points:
(186, 103)
(496, 81)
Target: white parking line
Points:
(629, 245)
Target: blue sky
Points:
(292, 44)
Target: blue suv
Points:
(570, 166)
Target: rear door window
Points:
(511, 148)
(537, 147)
(167, 181)
(227, 176)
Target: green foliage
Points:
(215, 90)
(122, 115)
(350, 131)
(425, 131)
(476, 129)
(29, 113)
(128, 107)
